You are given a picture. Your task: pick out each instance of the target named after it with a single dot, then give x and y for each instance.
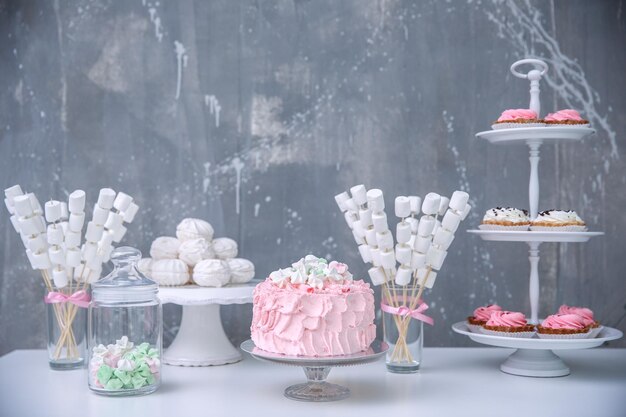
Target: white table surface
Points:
(452, 382)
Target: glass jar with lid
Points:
(125, 330)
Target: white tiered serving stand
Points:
(201, 340)
(534, 357)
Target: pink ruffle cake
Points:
(313, 308)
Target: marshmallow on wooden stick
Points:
(341, 199)
(76, 201)
(377, 275)
(359, 194)
(415, 203)
(404, 275)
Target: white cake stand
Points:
(534, 356)
(201, 340)
(316, 369)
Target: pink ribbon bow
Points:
(405, 311)
(79, 298)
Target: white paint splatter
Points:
(214, 106)
(156, 21)
(206, 181)
(257, 206)
(181, 62)
(238, 165)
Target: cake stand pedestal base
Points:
(201, 340)
(535, 363)
(317, 389)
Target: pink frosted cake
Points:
(313, 308)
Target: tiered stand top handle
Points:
(534, 75)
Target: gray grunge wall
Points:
(254, 114)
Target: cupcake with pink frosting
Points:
(476, 321)
(563, 326)
(566, 117)
(513, 118)
(508, 324)
(587, 316)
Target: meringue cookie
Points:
(241, 270)
(193, 229)
(195, 250)
(145, 266)
(211, 273)
(164, 247)
(170, 272)
(225, 248)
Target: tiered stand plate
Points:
(201, 340)
(534, 356)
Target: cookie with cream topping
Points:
(505, 218)
(558, 220)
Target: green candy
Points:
(113, 384)
(122, 376)
(139, 381)
(104, 373)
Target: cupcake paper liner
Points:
(567, 125)
(564, 336)
(499, 126)
(517, 335)
(558, 228)
(500, 227)
(474, 328)
(595, 331)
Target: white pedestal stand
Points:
(201, 340)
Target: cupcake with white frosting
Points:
(505, 218)
(558, 221)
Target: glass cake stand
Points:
(316, 369)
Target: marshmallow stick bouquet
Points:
(404, 268)
(67, 263)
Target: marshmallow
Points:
(360, 240)
(40, 223)
(9, 205)
(351, 205)
(429, 277)
(114, 220)
(100, 215)
(375, 254)
(403, 254)
(41, 260)
(370, 237)
(351, 218)
(458, 200)
(359, 194)
(422, 243)
(384, 240)
(130, 212)
(85, 274)
(55, 234)
(341, 199)
(435, 257)
(13, 192)
(436, 227)
(402, 206)
(37, 243)
(430, 205)
(105, 252)
(90, 250)
(426, 225)
(443, 238)
(451, 221)
(241, 270)
(29, 225)
(72, 257)
(65, 227)
(443, 205)
(24, 239)
(15, 223)
(403, 232)
(418, 260)
(34, 203)
(77, 201)
(380, 221)
(466, 211)
(118, 234)
(415, 203)
(59, 276)
(225, 248)
(64, 212)
(366, 255)
(72, 239)
(377, 275)
(365, 217)
(211, 273)
(77, 220)
(94, 232)
(388, 259)
(57, 255)
(106, 239)
(164, 247)
(403, 276)
(106, 198)
(22, 206)
(53, 211)
(358, 229)
(122, 201)
(170, 272)
(411, 242)
(375, 200)
(414, 224)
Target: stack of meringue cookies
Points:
(193, 256)
(567, 323)
(509, 218)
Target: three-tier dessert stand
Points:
(201, 340)
(534, 357)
